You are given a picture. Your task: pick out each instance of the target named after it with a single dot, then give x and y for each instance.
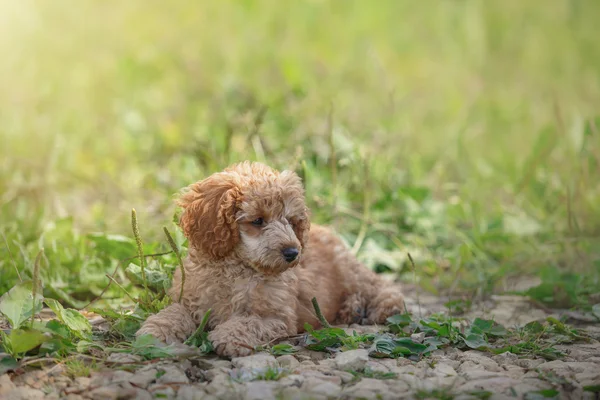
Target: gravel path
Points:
(446, 374)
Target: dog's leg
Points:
(172, 324)
(238, 336)
(386, 302)
(353, 310)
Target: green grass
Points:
(464, 132)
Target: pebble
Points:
(288, 361)
(352, 360)
(6, 384)
(255, 361)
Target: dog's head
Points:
(248, 211)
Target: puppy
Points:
(257, 262)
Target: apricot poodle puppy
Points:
(255, 260)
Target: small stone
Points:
(159, 390)
(288, 361)
(6, 384)
(261, 390)
(476, 372)
(589, 378)
(292, 380)
(418, 337)
(353, 360)
(443, 370)
(73, 396)
(506, 358)
(143, 378)
(294, 393)
(322, 376)
(189, 392)
(318, 386)
(255, 361)
(529, 364)
(24, 393)
(368, 389)
(382, 365)
(480, 359)
(346, 377)
(105, 393)
(172, 374)
(498, 384)
(82, 382)
(121, 376)
(514, 371)
(223, 387)
(123, 358)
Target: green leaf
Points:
(283, 348)
(542, 394)
(8, 364)
(114, 246)
(399, 321)
(18, 304)
(76, 322)
(592, 388)
(534, 327)
(475, 341)
(22, 340)
(415, 348)
(382, 347)
(58, 328)
(156, 277)
(484, 324)
(150, 347)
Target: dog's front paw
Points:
(163, 334)
(227, 345)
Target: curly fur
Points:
(237, 268)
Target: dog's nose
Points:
(290, 254)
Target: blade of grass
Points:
(140, 248)
(362, 233)
(178, 254)
(201, 327)
(14, 263)
(416, 285)
(36, 277)
(320, 315)
(121, 287)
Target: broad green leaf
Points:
(115, 246)
(8, 364)
(475, 341)
(18, 304)
(382, 347)
(150, 347)
(283, 348)
(542, 394)
(415, 348)
(22, 340)
(400, 320)
(534, 327)
(156, 277)
(58, 328)
(498, 330)
(76, 322)
(484, 324)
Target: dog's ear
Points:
(208, 218)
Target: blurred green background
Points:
(465, 132)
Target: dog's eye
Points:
(258, 222)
